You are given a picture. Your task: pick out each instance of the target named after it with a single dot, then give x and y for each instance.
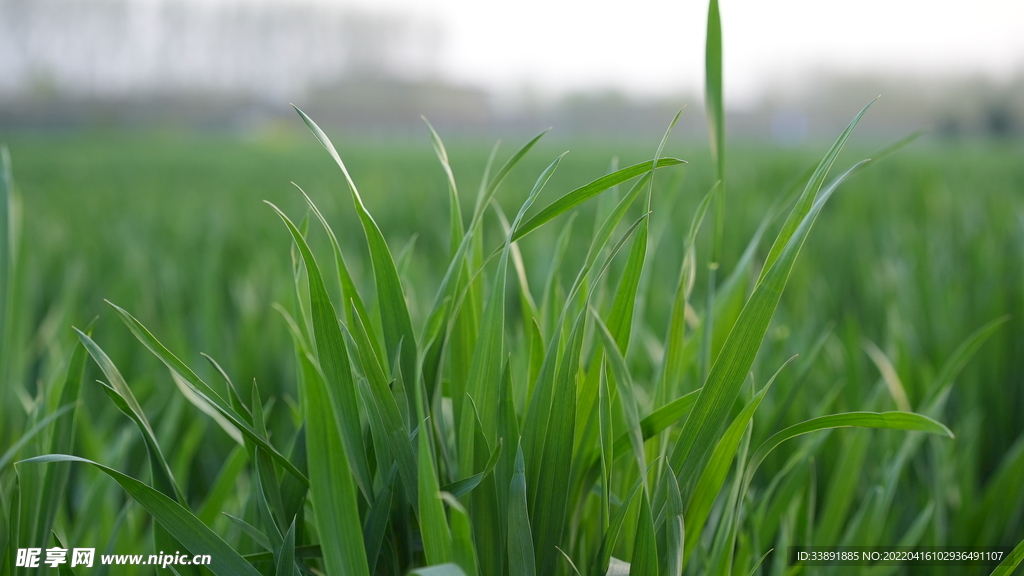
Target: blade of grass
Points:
(223, 486)
(61, 442)
(384, 407)
(490, 538)
(675, 526)
(334, 361)
(622, 309)
(31, 433)
(554, 450)
(760, 561)
(286, 557)
(122, 395)
(9, 240)
(842, 488)
(715, 109)
(645, 549)
(488, 354)
(492, 187)
(713, 101)
(348, 287)
(888, 420)
(456, 228)
(486, 193)
(620, 317)
(376, 523)
(462, 487)
(437, 537)
(455, 235)
(62, 569)
(1010, 563)
(674, 364)
(724, 546)
(624, 383)
(205, 407)
(606, 431)
(463, 549)
(714, 475)
(202, 389)
(702, 428)
(611, 535)
(521, 557)
(303, 552)
(806, 200)
(332, 483)
(933, 408)
(889, 375)
(236, 400)
(651, 426)
(394, 312)
(542, 397)
(963, 354)
(508, 432)
(268, 499)
(576, 197)
(177, 520)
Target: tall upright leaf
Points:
(521, 558)
(61, 442)
(382, 405)
(713, 477)
(715, 107)
(348, 287)
(9, 245)
(332, 483)
(704, 424)
(488, 355)
(394, 312)
(334, 361)
(645, 549)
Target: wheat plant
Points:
(507, 430)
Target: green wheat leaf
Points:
(176, 519)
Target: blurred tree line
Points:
(231, 65)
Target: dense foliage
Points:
(572, 367)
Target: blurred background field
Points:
(141, 181)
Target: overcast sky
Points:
(657, 46)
